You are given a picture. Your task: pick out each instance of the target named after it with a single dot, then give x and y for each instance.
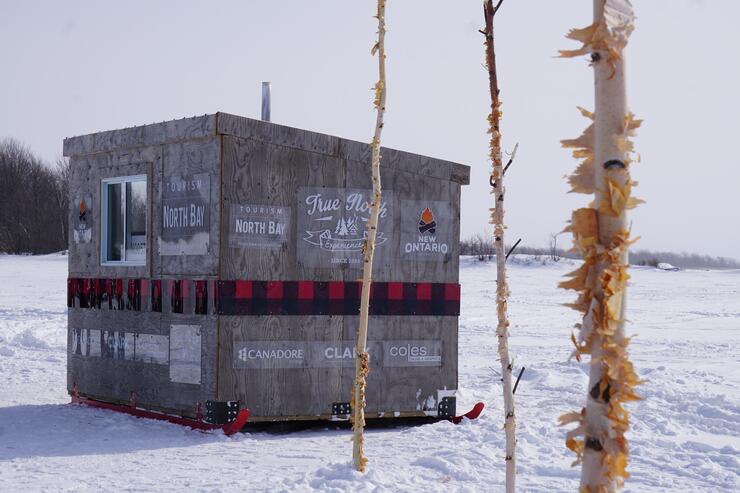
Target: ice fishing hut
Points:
(218, 258)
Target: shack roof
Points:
(198, 127)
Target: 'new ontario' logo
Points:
(426, 241)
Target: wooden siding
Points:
(310, 391)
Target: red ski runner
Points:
(197, 424)
(472, 414)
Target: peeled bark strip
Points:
(601, 234)
(497, 219)
(362, 366)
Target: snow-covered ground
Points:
(685, 435)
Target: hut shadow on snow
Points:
(65, 430)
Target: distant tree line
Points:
(481, 246)
(34, 201)
(684, 260)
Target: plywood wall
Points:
(284, 170)
(174, 149)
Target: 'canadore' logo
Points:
(426, 241)
(246, 354)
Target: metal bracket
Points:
(447, 407)
(221, 412)
(340, 410)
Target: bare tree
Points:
(62, 196)
(479, 246)
(497, 219)
(554, 252)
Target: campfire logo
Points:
(83, 211)
(82, 222)
(427, 225)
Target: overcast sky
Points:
(76, 67)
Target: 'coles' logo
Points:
(426, 222)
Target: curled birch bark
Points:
(362, 366)
(601, 233)
(497, 219)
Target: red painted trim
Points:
(130, 409)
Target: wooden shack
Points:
(218, 258)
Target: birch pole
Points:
(601, 233)
(362, 365)
(497, 219)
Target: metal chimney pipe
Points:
(266, 101)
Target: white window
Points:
(123, 220)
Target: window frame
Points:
(104, 182)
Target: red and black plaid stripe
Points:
(263, 297)
(184, 295)
(336, 298)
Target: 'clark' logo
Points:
(426, 222)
